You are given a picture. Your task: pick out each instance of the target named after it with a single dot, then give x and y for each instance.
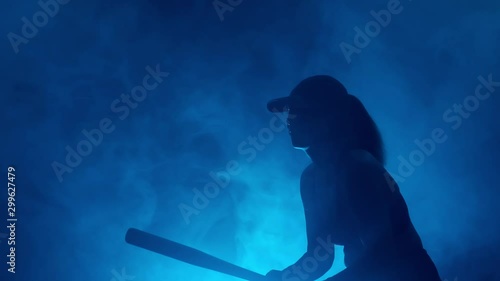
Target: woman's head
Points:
(321, 112)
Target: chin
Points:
(304, 148)
(298, 145)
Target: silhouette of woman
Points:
(349, 198)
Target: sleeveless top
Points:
(405, 239)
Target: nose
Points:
(291, 124)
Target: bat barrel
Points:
(186, 254)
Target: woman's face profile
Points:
(308, 127)
(302, 127)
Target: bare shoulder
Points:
(309, 170)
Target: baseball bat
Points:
(187, 254)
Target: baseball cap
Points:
(319, 92)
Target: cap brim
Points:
(278, 105)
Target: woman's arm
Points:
(368, 193)
(368, 197)
(319, 257)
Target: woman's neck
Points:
(326, 153)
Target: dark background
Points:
(222, 72)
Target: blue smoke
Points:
(103, 139)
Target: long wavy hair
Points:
(360, 127)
